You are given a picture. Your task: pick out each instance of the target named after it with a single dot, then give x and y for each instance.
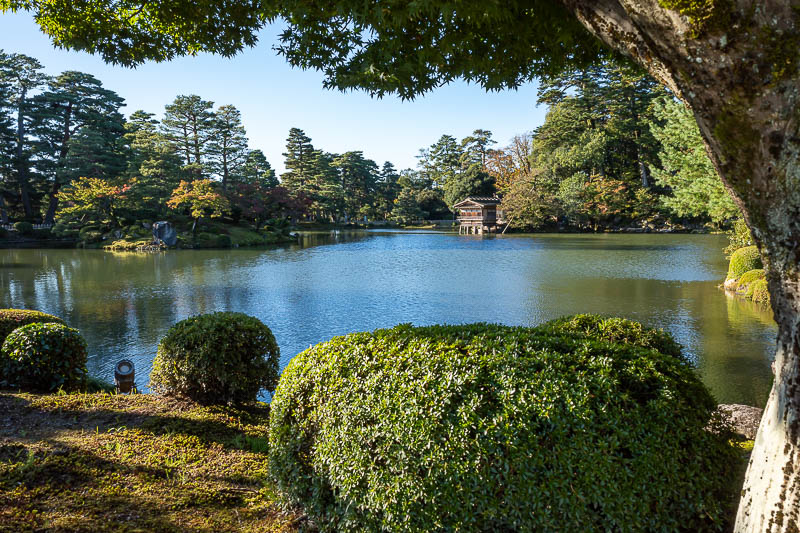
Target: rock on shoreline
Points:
(744, 419)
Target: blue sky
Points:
(274, 97)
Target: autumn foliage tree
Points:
(92, 199)
(201, 199)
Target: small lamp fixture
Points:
(124, 373)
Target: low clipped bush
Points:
(23, 228)
(493, 428)
(63, 230)
(11, 319)
(744, 260)
(137, 231)
(205, 240)
(44, 357)
(219, 358)
(42, 233)
(758, 291)
(614, 330)
(749, 277)
(224, 241)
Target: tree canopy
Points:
(356, 44)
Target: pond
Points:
(339, 282)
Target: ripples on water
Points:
(336, 283)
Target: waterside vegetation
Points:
(616, 152)
(472, 427)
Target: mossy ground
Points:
(103, 462)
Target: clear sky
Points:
(274, 97)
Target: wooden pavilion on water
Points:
(479, 214)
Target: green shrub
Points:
(63, 230)
(614, 330)
(89, 229)
(42, 233)
(758, 291)
(223, 241)
(749, 277)
(205, 240)
(23, 228)
(492, 428)
(217, 358)
(743, 260)
(44, 357)
(59, 229)
(136, 231)
(11, 319)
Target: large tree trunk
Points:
(50, 217)
(21, 163)
(738, 71)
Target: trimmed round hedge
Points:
(218, 358)
(749, 277)
(743, 260)
(11, 319)
(614, 330)
(44, 357)
(758, 291)
(493, 428)
(23, 227)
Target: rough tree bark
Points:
(736, 66)
(21, 163)
(50, 216)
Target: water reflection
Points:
(337, 282)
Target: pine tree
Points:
(472, 182)
(257, 170)
(154, 169)
(72, 102)
(359, 177)
(475, 148)
(22, 76)
(189, 124)
(686, 168)
(300, 162)
(227, 148)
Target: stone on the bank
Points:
(744, 419)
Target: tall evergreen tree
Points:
(475, 148)
(441, 161)
(686, 168)
(257, 170)
(474, 181)
(300, 162)
(154, 169)
(23, 75)
(6, 151)
(324, 187)
(359, 177)
(227, 148)
(189, 124)
(72, 102)
(387, 189)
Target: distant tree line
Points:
(614, 148)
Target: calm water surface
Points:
(336, 283)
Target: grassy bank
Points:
(103, 462)
(100, 462)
